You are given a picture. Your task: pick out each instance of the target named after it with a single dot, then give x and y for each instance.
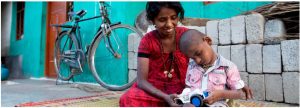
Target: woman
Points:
(161, 66)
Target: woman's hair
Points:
(153, 8)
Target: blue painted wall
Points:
(32, 46)
(218, 10)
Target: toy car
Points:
(194, 97)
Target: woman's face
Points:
(166, 21)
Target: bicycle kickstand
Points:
(57, 82)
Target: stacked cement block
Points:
(133, 43)
(238, 35)
(274, 32)
(224, 32)
(290, 55)
(255, 28)
(201, 29)
(213, 31)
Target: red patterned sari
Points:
(150, 46)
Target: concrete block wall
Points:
(267, 62)
(133, 43)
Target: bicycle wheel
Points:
(65, 46)
(109, 70)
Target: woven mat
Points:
(253, 103)
(111, 99)
(106, 99)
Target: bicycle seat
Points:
(80, 13)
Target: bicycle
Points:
(69, 56)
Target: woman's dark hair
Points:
(153, 8)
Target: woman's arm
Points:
(142, 75)
(223, 94)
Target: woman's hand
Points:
(214, 96)
(170, 100)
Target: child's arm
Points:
(223, 94)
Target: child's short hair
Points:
(190, 37)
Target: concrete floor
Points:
(19, 91)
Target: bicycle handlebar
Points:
(104, 4)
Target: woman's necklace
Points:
(168, 73)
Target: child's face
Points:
(202, 53)
(166, 21)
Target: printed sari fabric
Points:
(150, 48)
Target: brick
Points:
(136, 42)
(212, 31)
(132, 60)
(274, 31)
(274, 90)
(215, 48)
(271, 59)
(257, 84)
(238, 56)
(238, 30)
(132, 74)
(255, 28)
(290, 55)
(131, 42)
(224, 51)
(244, 77)
(201, 29)
(291, 87)
(224, 32)
(254, 58)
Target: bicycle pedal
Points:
(69, 52)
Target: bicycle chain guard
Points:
(75, 59)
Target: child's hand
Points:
(214, 96)
(247, 90)
(170, 100)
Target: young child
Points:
(209, 71)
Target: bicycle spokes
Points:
(113, 42)
(108, 58)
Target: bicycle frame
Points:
(104, 26)
(106, 31)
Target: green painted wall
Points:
(218, 10)
(32, 46)
(124, 12)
